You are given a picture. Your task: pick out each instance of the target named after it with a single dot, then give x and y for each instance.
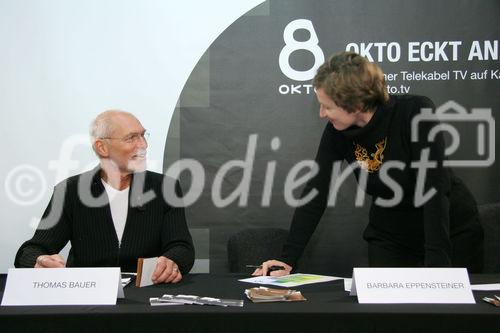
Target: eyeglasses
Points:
(132, 138)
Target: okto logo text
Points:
(476, 149)
(292, 45)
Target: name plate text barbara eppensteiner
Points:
(412, 285)
(63, 286)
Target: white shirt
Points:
(118, 202)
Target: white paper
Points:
(347, 284)
(148, 268)
(491, 286)
(126, 281)
(120, 293)
(62, 286)
(127, 278)
(412, 285)
(291, 280)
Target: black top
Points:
(385, 143)
(153, 227)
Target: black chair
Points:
(489, 215)
(253, 246)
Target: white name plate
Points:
(412, 285)
(63, 286)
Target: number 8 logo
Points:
(292, 45)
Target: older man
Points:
(116, 213)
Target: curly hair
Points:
(352, 82)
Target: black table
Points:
(328, 309)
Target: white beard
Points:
(139, 162)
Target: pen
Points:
(270, 268)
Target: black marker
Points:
(269, 269)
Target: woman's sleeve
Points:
(306, 217)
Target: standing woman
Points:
(369, 128)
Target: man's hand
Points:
(50, 261)
(166, 271)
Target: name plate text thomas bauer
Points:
(63, 286)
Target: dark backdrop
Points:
(238, 89)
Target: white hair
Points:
(102, 126)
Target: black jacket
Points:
(153, 227)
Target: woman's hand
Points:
(267, 264)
